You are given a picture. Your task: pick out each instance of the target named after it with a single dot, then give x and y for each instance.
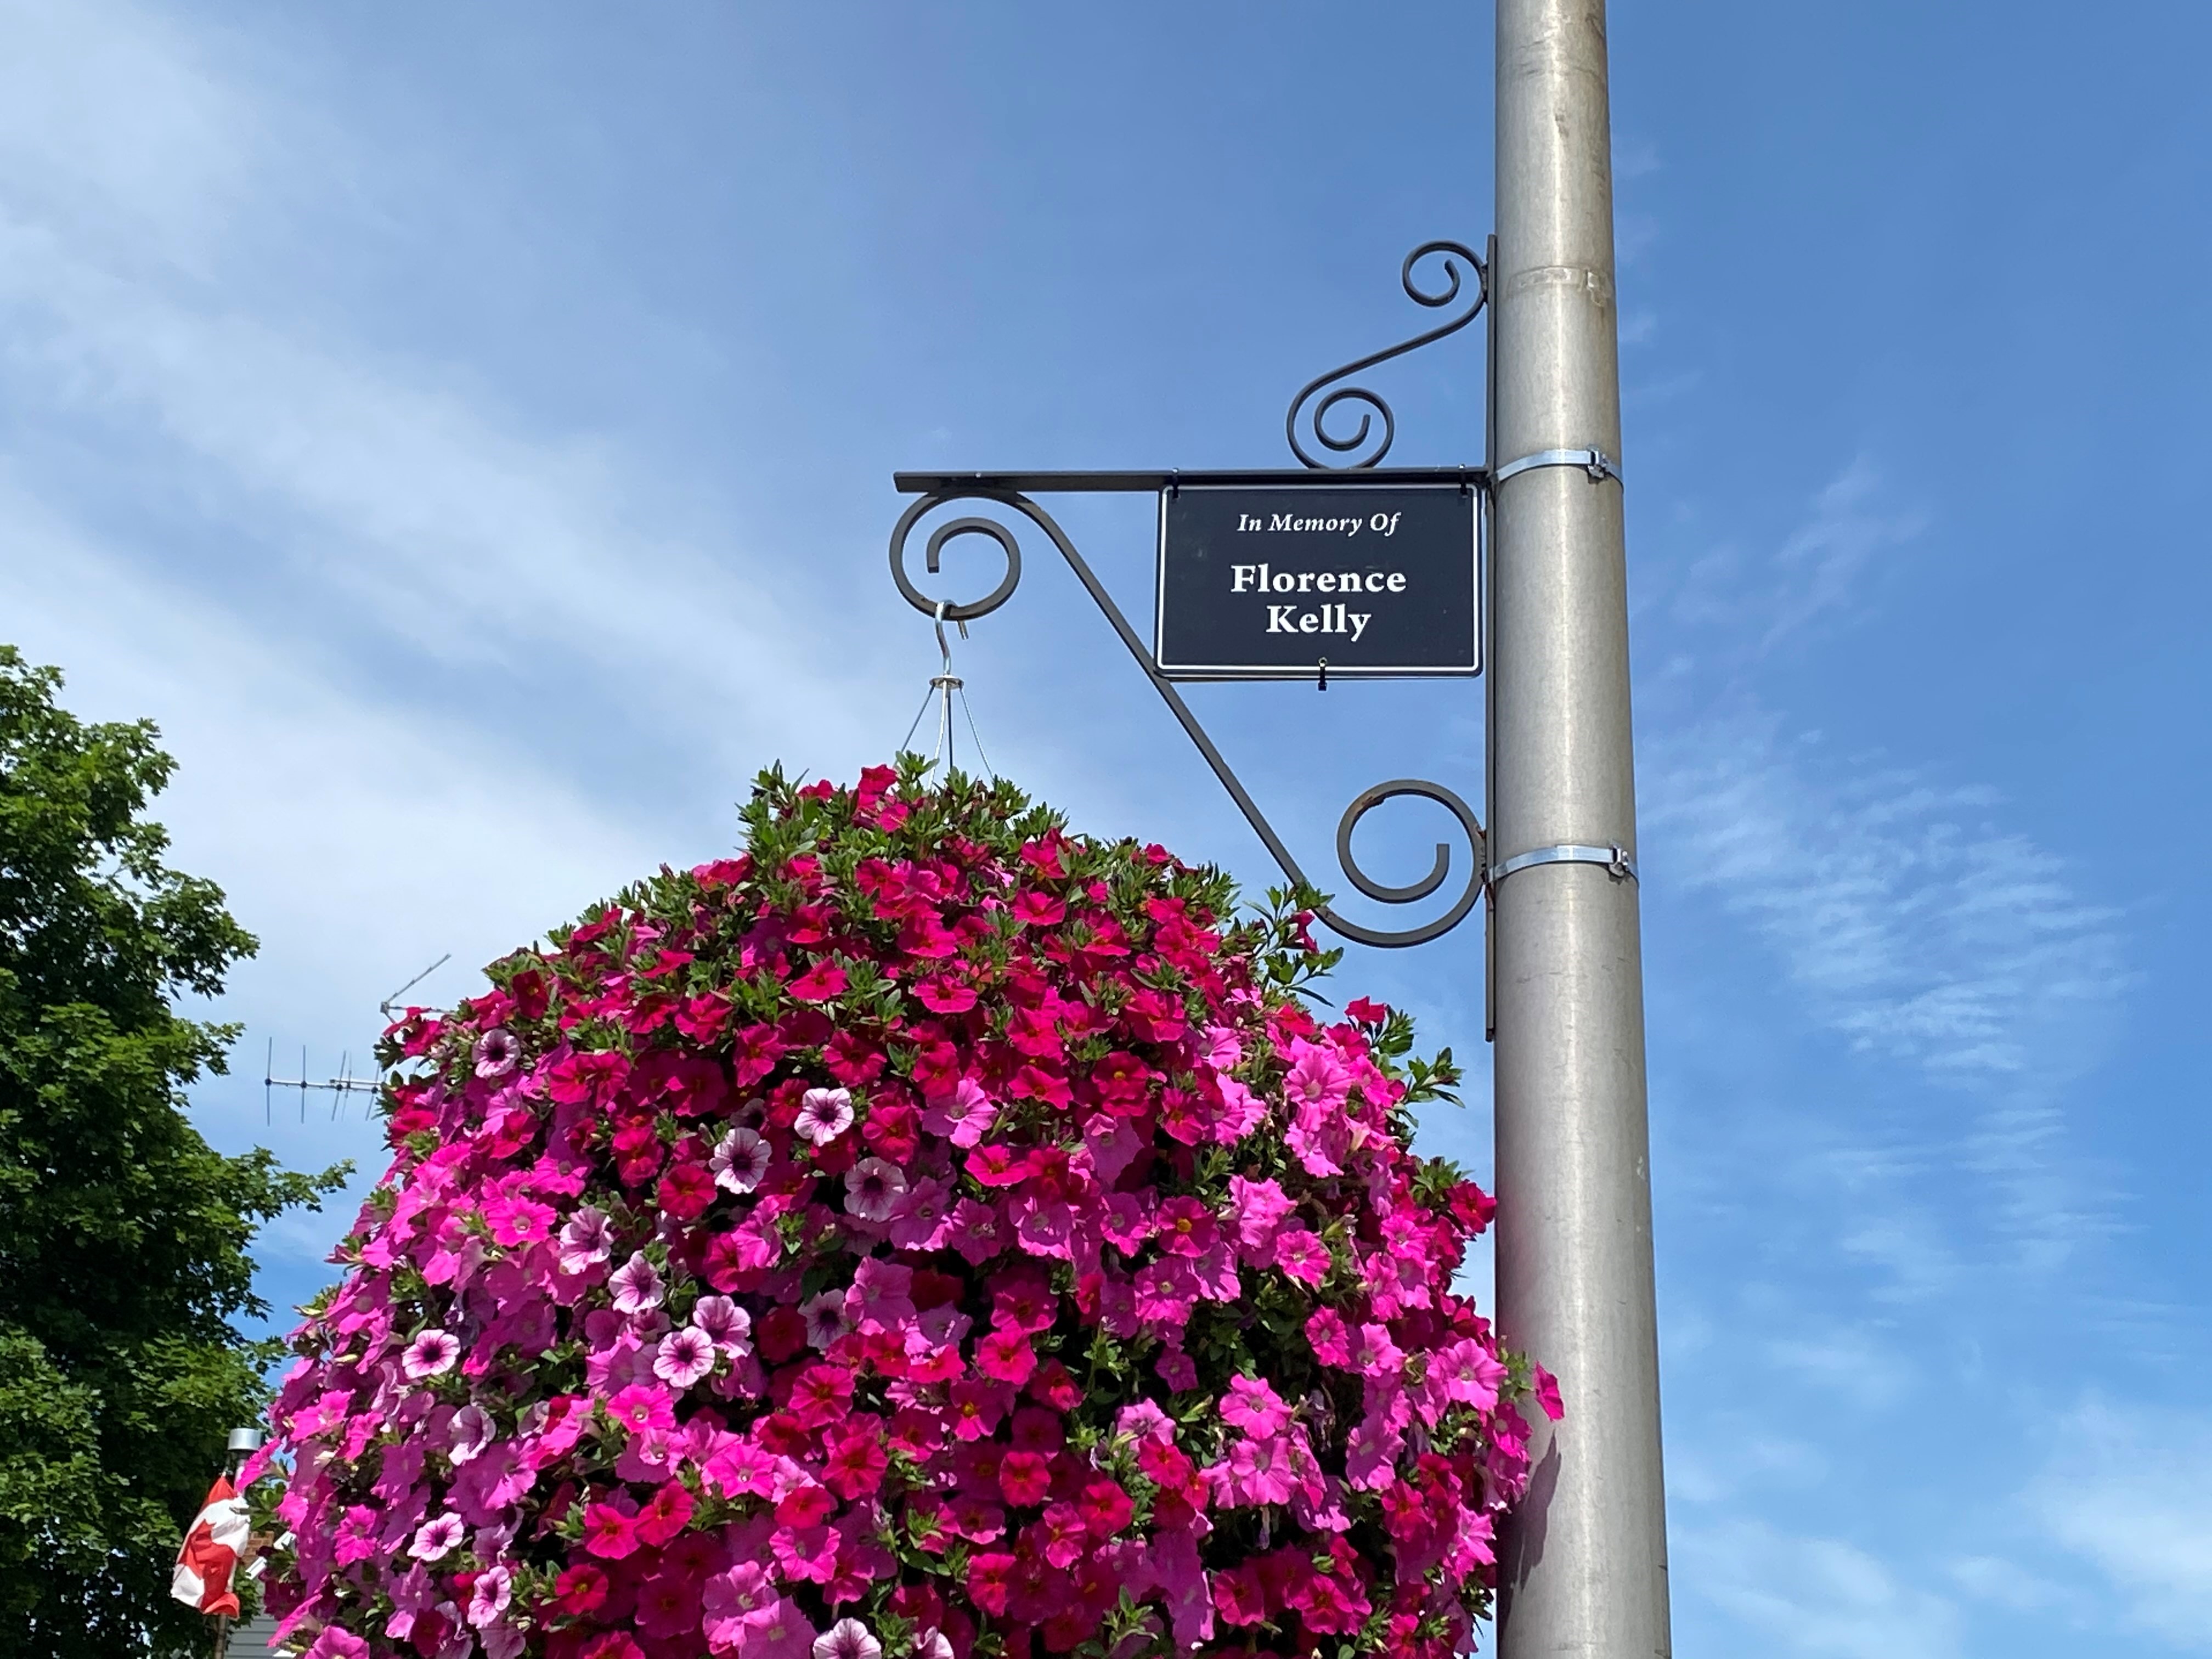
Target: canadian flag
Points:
(212, 1546)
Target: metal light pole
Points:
(1584, 1571)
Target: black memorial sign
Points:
(1373, 581)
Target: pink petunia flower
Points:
(726, 1325)
(1146, 1421)
(825, 1318)
(919, 1219)
(736, 1603)
(497, 1054)
(848, 1638)
(588, 1239)
(637, 1286)
(489, 1598)
(1252, 1406)
(469, 1433)
(964, 1116)
(431, 1354)
(739, 1161)
(643, 1409)
(872, 1189)
(823, 1115)
(882, 1295)
(822, 982)
(1547, 1389)
(437, 1538)
(1302, 1256)
(684, 1358)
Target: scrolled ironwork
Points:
(1016, 501)
(1372, 403)
(1440, 871)
(933, 554)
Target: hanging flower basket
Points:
(929, 1235)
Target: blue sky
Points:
(468, 432)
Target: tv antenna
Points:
(344, 1083)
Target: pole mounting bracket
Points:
(1614, 857)
(1596, 462)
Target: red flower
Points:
(580, 1589)
(822, 982)
(1034, 909)
(1035, 1430)
(1237, 1597)
(1106, 1508)
(822, 1395)
(856, 1468)
(686, 1191)
(1053, 1386)
(990, 1581)
(1006, 1357)
(668, 1606)
(611, 1532)
(664, 1514)
(780, 1333)
(805, 1506)
(1025, 1477)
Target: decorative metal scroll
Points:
(1352, 443)
(1006, 491)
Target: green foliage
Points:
(123, 1234)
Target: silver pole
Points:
(1584, 1570)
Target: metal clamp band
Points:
(1596, 462)
(1615, 859)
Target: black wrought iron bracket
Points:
(1014, 490)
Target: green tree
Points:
(124, 1236)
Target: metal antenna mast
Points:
(1584, 1567)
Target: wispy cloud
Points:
(2129, 1491)
(1917, 924)
(400, 502)
(1820, 1597)
(1756, 601)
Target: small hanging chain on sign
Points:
(942, 688)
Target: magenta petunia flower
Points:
(637, 1286)
(497, 1054)
(848, 1638)
(1302, 1256)
(872, 1189)
(683, 1357)
(1252, 1406)
(431, 1354)
(739, 1161)
(437, 1538)
(739, 1602)
(963, 1115)
(823, 1115)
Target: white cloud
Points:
(1820, 1597)
(1820, 568)
(2129, 1491)
(1918, 927)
